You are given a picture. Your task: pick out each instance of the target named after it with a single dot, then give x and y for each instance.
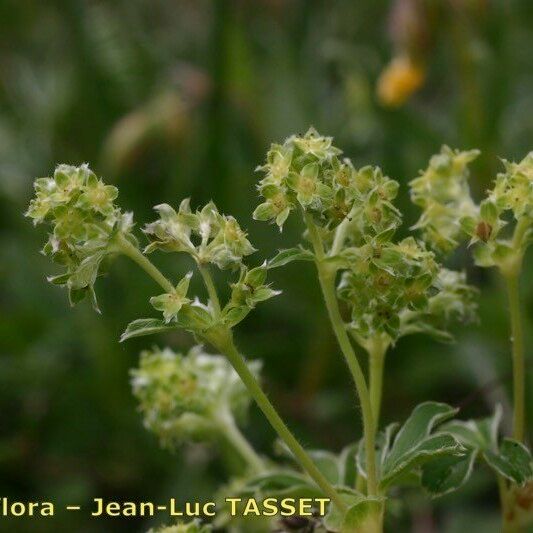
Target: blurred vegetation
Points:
(175, 99)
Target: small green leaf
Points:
(60, 279)
(233, 315)
(194, 317)
(418, 426)
(430, 448)
(513, 461)
(333, 520)
(145, 326)
(85, 274)
(363, 516)
(447, 473)
(284, 257)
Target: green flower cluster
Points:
(383, 280)
(388, 285)
(81, 211)
(450, 299)
(450, 215)
(188, 397)
(207, 235)
(443, 193)
(395, 289)
(512, 194)
(307, 172)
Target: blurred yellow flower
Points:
(399, 80)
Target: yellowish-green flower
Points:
(98, 196)
(310, 191)
(171, 303)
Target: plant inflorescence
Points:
(377, 287)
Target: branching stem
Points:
(223, 341)
(210, 286)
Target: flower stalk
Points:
(221, 338)
(223, 341)
(327, 284)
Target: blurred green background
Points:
(174, 99)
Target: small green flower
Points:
(513, 189)
(172, 231)
(171, 303)
(98, 196)
(310, 191)
(229, 246)
(277, 205)
(312, 143)
(278, 164)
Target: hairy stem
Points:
(124, 246)
(224, 343)
(376, 354)
(327, 284)
(237, 440)
(227, 347)
(517, 339)
(210, 286)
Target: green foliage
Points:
(507, 457)
(403, 452)
(391, 287)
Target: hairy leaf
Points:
(145, 326)
(513, 461)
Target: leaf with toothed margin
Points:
(145, 326)
(513, 461)
(418, 426)
(415, 444)
(429, 448)
(446, 474)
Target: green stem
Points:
(223, 341)
(128, 249)
(327, 283)
(376, 354)
(225, 345)
(234, 436)
(517, 339)
(210, 286)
